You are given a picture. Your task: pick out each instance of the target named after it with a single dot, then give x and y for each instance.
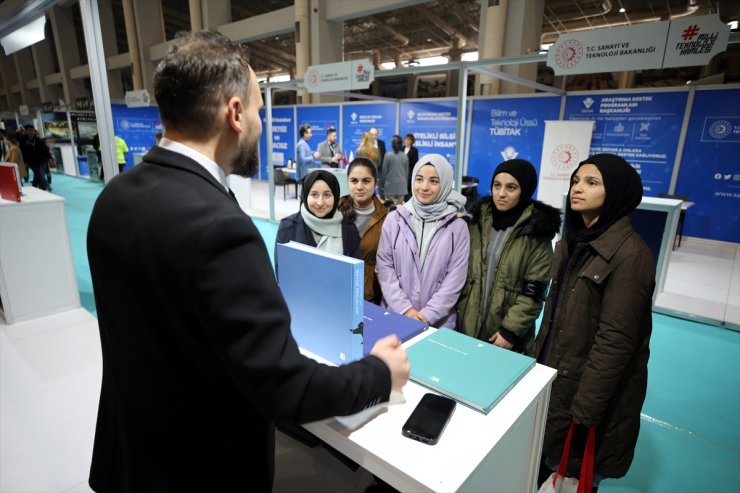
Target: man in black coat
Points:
(379, 143)
(198, 359)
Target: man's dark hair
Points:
(28, 125)
(330, 131)
(201, 71)
(411, 136)
(303, 129)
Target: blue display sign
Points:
(283, 138)
(710, 175)
(434, 125)
(320, 118)
(358, 118)
(507, 128)
(136, 126)
(642, 127)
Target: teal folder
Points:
(473, 372)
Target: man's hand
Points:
(389, 350)
(316, 155)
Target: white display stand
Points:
(498, 452)
(69, 159)
(671, 208)
(37, 276)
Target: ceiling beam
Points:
(442, 24)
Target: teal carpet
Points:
(690, 436)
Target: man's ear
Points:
(235, 114)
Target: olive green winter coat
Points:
(522, 276)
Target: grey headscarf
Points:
(447, 202)
(426, 217)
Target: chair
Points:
(282, 179)
(681, 217)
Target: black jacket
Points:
(294, 228)
(198, 359)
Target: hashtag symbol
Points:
(690, 32)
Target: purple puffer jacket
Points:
(434, 290)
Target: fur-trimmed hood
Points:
(544, 222)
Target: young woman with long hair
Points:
(363, 207)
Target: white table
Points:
(495, 452)
(37, 276)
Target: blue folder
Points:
(324, 293)
(379, 322)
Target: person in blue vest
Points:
(304, 156)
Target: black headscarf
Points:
(330, 180)
(524, 173)
(623, 193)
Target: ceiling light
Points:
(622, 10)
(31, 33)
(388, 65)
(471, 56)
(432, 60)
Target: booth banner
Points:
(320, 118)
(613, 49)
(340, 76)
(56, 126)
(643, 128)
(137, 127)
(284, 138)
(695, 40)
(84, 127)
(359, 118)
(710, 168)
(507, 128)
(565, 145)
(434, 125)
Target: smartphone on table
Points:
(429, 419)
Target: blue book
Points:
(325, 295)
(379, 322)
(473, 372)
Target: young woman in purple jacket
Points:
(422, 259)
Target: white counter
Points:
(498, 452)
(37, 276)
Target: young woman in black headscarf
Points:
(319, 223)
(510, 260)
(597, 322)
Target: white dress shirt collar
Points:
(210, 165)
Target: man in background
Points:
(36, 156)
(380, 144)
(330, 153)
(304, 156)
(198, 359)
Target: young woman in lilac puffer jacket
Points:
(422, 258)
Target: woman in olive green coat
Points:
(510, 260)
